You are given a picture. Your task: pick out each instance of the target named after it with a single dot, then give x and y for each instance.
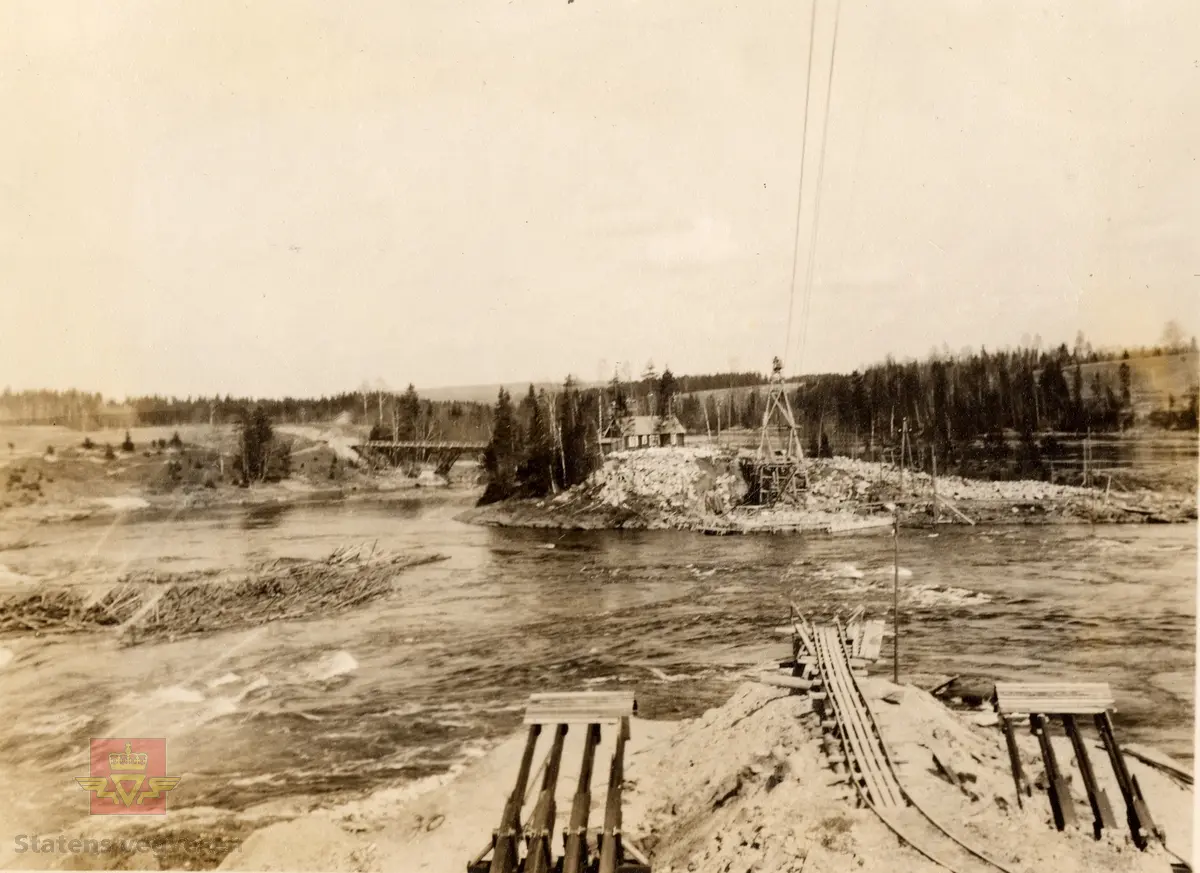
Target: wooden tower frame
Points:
(779, 469)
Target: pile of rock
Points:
(847, 478)
(692, 481)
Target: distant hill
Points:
(1153, 379)
(486, 393)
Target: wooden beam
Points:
(1071, 698)
(1056, 786)
(1141, 826)
(1101, 809)
(793, 682)
(586, 707)
(1014, 760)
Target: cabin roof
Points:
(645, 425)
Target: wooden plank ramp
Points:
(871, 771)
(861, 743)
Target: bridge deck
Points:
(436, 445)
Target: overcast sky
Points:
(291, 196)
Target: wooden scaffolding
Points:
(778, 473)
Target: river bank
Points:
(271, 723)
(745, 783)
(45, 485)
(702, 489)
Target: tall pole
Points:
(896, 596)
(933, 462)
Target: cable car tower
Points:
(779, 473)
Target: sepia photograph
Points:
(599, 436)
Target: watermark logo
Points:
(128, 777)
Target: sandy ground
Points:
(745, 787)
(74, 483)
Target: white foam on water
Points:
(223, 680)
(846, 571)
(406, 711)
(7, 575)
(934, 595)
(218, 707)
(163, 696)
(255, 684)
(123, 504)
(331, 665)
(6, 657)
(56, 724)
(664, 677)
(904, 572)
(253, 780)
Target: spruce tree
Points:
(255, 447)
(535, 472)
(1125, 377)
(668, 386)
(409, 412)
(501, 455)
(620, 403)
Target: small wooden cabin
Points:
(642, 432)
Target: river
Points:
(405, 689)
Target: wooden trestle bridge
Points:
(441, 453)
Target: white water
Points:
(396, 695)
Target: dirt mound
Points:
(745, 787)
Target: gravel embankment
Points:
(703, 489)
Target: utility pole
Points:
(896, 595)
(933, 460)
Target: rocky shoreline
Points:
(702, 490)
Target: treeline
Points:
(79, 409)
(546, 442)
(949, 400)
(383, 410)
(654, 392)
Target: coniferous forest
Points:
(1009, 407)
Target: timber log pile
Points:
(147, 607)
